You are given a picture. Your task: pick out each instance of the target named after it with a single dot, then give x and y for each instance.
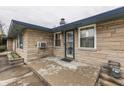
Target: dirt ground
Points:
(19, 75)
(60, 73)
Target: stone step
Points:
(106, 83)
(112, 79)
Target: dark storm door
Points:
(69, 45)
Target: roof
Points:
(17, 26)
(106, 16)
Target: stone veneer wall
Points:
(9, 44)
(30, 51)
(110, 44)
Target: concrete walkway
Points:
(57, 72)
(20, 75)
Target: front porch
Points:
(58, 72)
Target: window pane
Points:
(57, 39)
(90, 41)
(90, 32)
(57, 43)
(87, 38)
(20, 41)
(82, 34)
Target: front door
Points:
(69, 49)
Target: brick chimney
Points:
(62, 22)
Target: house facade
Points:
(93, 40)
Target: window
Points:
(57, 37)
(20, 41)
(87, 37)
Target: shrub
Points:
(2, 48)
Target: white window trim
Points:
(86, 48)
(60, 39)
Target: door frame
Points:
(73, 44)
